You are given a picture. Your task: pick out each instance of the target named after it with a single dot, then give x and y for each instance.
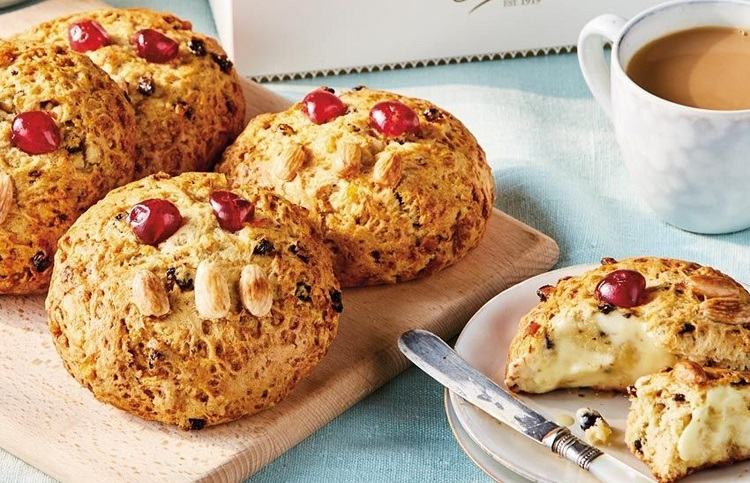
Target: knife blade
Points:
(428, 352)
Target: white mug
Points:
(691, 165)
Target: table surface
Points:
(557, 168)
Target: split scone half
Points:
(609, 326)
(689, 418)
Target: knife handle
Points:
(602, 466)
(561, 441)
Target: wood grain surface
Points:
(51, 422)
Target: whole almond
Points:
(387, 169)
(6, 195)
(347, 160)
(690, 372)
(288, 162)
(255, 290)
(712, 286)
(149, 294)
(212, 299)
(727, 310)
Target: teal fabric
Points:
(557, 168)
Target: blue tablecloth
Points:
(557, 168)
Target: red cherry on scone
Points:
(622, 288)
(87, 35)
(154, 46)
(35, 132)
(154, 220)
(232, 211)
(322, 106)
(393, 118)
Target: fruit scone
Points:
(182, 301)
(399, 187)
(187, 96)
(609, 326)
(689, 418)
(66, 138)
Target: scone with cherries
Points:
(66, 138)
(689, 418)
(398, 187)
(185, 301)
(609, 326)
(187, 96)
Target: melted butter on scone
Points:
(687, 418)
(721, 420)
(574, 339)
(613, 350)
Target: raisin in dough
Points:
(41, 195)
(166, 332)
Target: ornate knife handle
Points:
(570, 447)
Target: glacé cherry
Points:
(622, 288)
(154, 220)
(322, 106)
(87, 35)
(393, 118)
(232, 211)
(35, 132)
(154, 46)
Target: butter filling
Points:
(597, 349)
(721, 421)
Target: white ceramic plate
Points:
(484, 343)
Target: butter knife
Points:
(428, 352)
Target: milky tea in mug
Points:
(677, 90)
(705, 67)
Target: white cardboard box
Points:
(278, 39)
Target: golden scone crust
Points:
(183, 368)
(690, 311)
(187, 109)
(429, 209)
(663, 406)
(42, 195)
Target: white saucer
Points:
(484, 344)
(477, 455)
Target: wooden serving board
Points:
(51, 422)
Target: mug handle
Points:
(594, 36)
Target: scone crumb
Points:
(596, 429)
